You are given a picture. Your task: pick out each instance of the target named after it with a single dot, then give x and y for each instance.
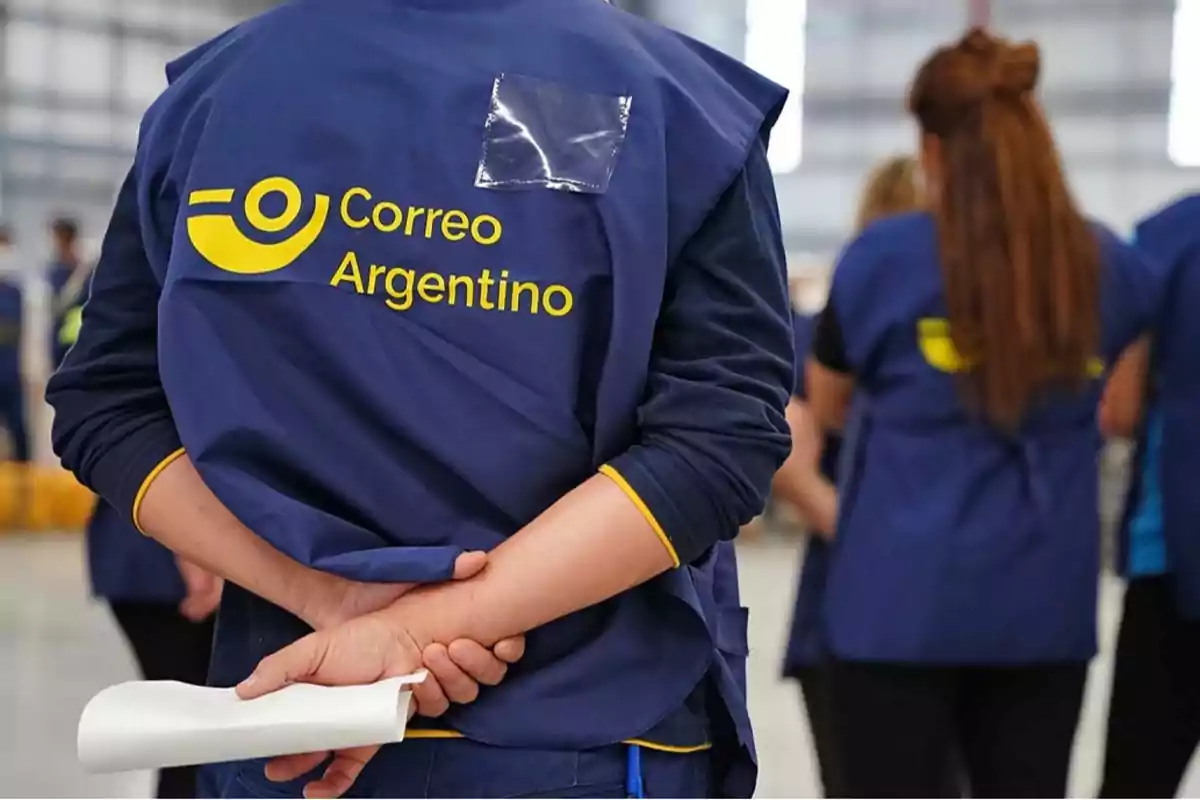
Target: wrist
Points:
(439, 614)
(316, 597)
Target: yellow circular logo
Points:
(218, 239)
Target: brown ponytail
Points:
(1020, 264)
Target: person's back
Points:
(964, 349)
(461, 228)
(982, 513)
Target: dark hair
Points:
(65, 228)
(1021, 265)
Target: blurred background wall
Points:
(1113, 85)
(75, 78)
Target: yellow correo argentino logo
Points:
(216, 235)
(368, 268)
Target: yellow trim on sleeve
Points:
(623, 484)
(145, 487)
(435, 733)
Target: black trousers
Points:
(168, 647)
(1154, 713)
(814, 692)
(1010, 730)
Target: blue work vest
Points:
(1172, 237)
(806, 639)
(126, 566)
(958, 543)
(396, 325)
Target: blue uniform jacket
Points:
(125, 565)
(957, 543)
(1172, 236)
(806, 642)
(399, 277)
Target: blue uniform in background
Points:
(1154, 711)
(496, 247)
(806, 653)
(960, 608)
(806, 643)
(975, 546)
(124, 565)
(12, 392)
(139, 580)
(1173, 237)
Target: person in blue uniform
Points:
(12, 386)
(1154, 713)
(808, 479)
(65, 275)
(413, 290)
(963, 349)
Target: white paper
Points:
(153, 724)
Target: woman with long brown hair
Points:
(807, 482)
(962, 349)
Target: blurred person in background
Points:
(67, 275)
(12, 391)
(595, 395)
(962, 350)
(808, 479)
(165, 606)
(1153, 396)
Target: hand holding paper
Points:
(152, 724)
(365, 650)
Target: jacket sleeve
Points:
(713, 430)
(112, 425)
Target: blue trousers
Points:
(461, 768)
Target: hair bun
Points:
(979, 42)
(1016, 68)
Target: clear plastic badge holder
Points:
(543, 135)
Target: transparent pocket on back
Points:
(541, 134)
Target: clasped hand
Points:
(358, 640)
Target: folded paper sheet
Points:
(153, 724)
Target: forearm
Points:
(1121, 407)
(591, 545)
(181, 512)
(814, 497)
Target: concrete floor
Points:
(57, 649)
